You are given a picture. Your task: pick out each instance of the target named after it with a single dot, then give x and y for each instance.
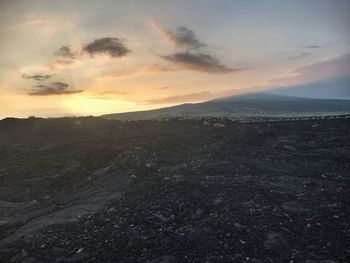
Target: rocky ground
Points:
(93, 190)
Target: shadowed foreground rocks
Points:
(94, 190)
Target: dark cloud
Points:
(39, 77)
(53, 88)
(185, 37)
(200, 62)
(182, 37)
(109, 45)
(191, 97)
(65, 51)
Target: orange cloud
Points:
(165, 33)
(60, 64)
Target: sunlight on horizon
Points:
(62, 58)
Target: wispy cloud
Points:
(328, 68)
(294, 55)
(191, 58)
(53, 88)
(191, 97)
(200, 62)
(154, 69)
(182, 37)
(299, 55)
(107, 95)
(65, 51)
(38, 77)
(60, 64)
(313, 46)
(162, 88)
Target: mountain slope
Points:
(247, 105)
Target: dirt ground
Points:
(205, 190)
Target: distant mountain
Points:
(338, 88)
(247, 105)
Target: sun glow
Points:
(86, 104)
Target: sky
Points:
(84, 57)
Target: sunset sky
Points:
(81, 57)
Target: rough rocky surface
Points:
(214, 190)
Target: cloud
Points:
(162, 88)
(313, 46)
(53, 88)
(329, 68)
(111, 46)
(156, 68)
(107, 95)
(295, 54)
(199, 62)
(65, 51)
(191, 97)
(183, 37)
(152, 70)
(299, 55)
(60, 64)
(38, 77)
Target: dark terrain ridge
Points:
(248, 105)
(201, 190)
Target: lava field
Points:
(174, 191)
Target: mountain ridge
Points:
(256, 104)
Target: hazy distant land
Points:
(245, 106)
